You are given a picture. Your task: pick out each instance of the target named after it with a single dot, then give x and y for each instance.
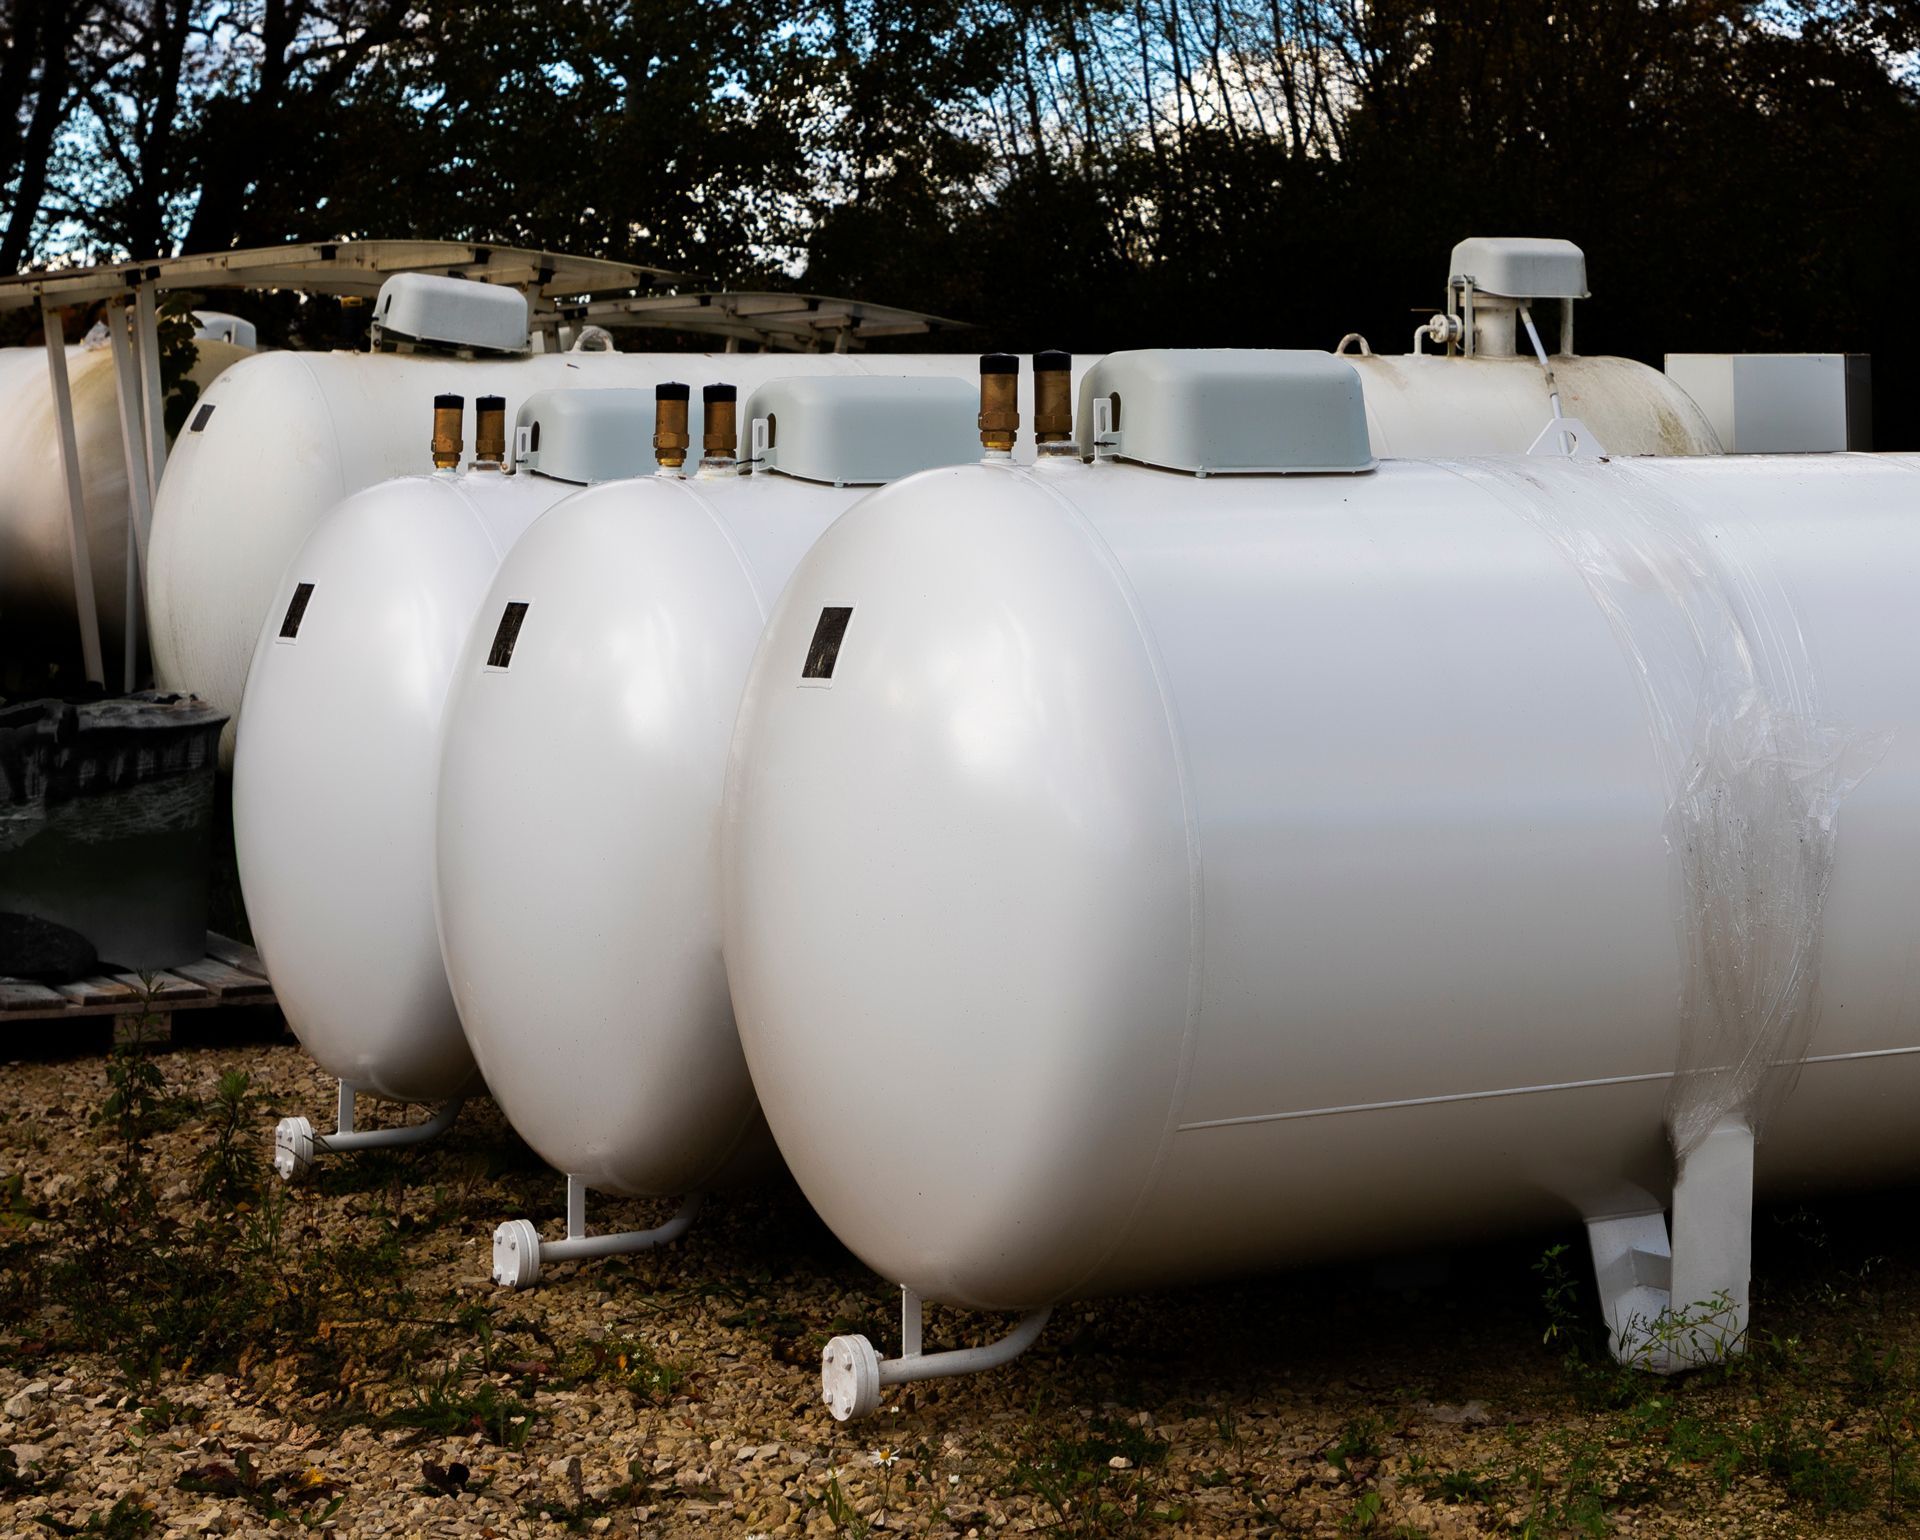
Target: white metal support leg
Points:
(852, 1373)
(146, 344)
(79, 553)
(133, 450)
(1681, 1302)
(518, 1251)
(296, 1146)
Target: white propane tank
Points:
(334, 771)
(1421, 405)
(1173, 876)
(582, 761)
(37, 615)
(283, 437)
(219, 325)
(1494, 387)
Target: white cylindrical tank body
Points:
(37, 614)
(1420, 406)
(579, 810)
(284, 437)
(291, 434)
(334, 771)
(1183, 876)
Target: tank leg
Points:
(1712, 1248)
(852, 1373)
(296, 1146)
(1682, 1302)
(518, 1251)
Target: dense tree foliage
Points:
(1094, 173)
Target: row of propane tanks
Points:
(1178, 841)
(276, 439)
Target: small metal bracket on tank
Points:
(1227, 412)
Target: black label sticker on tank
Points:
(296, 611)
(201, 417)
(506, 635)
(825, 651)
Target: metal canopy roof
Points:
(335, 267)
(563, 291)
(579, 289)
(801, 321)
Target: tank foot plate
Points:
(852, 1372)
(1681, 1301)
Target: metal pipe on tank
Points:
(719, 430)
(448, 411)
(671, 439)
(999, 404)
(490, 433)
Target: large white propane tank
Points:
(1235, 851)
(582, 761)
(335, 768)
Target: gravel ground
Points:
(370, 1380)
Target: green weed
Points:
(1085, 1491)
(127, 1519)
(444, 1407)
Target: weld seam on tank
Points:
(1604, 1082)
(1196, 904)
(1754, 774)
(689, 485)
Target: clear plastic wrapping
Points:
(1755, 773)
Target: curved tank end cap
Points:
(1051, 361)
(1230, 411)
(672, 390)
(1521, 266)
(711, 393)
(850, 1378)
(999, 363)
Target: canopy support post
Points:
(79, 553)
(120, 321)
(146, 333)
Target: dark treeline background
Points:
(1090, 174)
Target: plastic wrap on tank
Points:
(1754, 771)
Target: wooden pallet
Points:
(230, 973)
